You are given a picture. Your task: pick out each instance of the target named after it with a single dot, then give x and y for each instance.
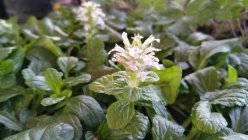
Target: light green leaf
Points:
(242, 83)
(119, 114)
(100, 84)
(230, 97)
(169, 82)
(164, 129)
(137, 128)
(115, 87)
(66, 64)
(51, 100)
(205, 120)
(4, 52)
(87, 109)
(129, 94)
(232, 75)
(6, 67)
(49, 45)
(10, 121)
(203, 80)
(53, 80)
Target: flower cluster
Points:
(90, 14)
(137, 57)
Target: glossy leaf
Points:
(119, 114)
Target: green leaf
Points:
(7, 81)
(4, 52)
(242, 68)
(53, 80)
(164, 129)
(66, 64)
(17, 57)
(6, 94)
(6, 67)
(51, 100)
(49, 45)
(169, 82)
(235, 136)
(81, 79)
(205, 120)
(242, 83)
(59, 131)
(239, 119)
(230, 97)
(115, 87)
(129, 93)
(10, 121)
(137, 128)
(87, 109)
(95, 47)
(100, 84)
(119, 114)
(199, 57)
(203, 80)
(72, 120)
(38, 82)
(232, 75)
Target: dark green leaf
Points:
(239, 119)
(55, 131)
(87, 109)
(10, 121)
(10, 93)
(73, 121)
(66, 64)
(230, 97)
(164, 129)
(81, 79)
(205, 120)
(201, 82)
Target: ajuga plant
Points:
(92, 17)
(134, 92)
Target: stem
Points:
(186, 123)
(58, 106)
(192, 134)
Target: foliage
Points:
(58, 82)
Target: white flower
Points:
(90, 14)
(137, 57)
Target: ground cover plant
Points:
(134, 69)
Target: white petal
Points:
(149, 40)
(125, 39)
(117, 48)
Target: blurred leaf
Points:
(10, 121)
